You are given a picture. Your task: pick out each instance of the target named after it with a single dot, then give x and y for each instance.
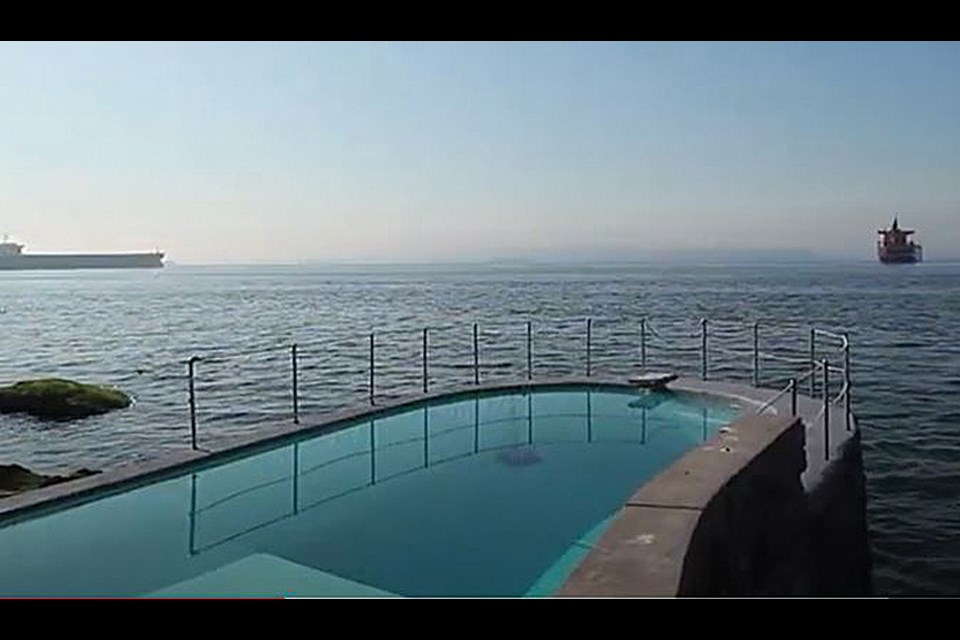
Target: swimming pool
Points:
(486, 494)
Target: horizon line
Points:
(510, 262)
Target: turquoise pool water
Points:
(496, 494)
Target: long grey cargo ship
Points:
(12, 257)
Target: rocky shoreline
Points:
(15, 479)
(58, 400)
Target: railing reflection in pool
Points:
(240, 497)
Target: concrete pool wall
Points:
(753, 511)
(732, 518)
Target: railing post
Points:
(371, 369)
(373, 452)
(476, 354)
(529, 350)
(846, 380)
(426, 378)
(192, 544)
(643, 344)
(193, 402)
(793, 397)
(589, 331)
(756, 354)
(826, 409)
(703, 348)
(813, 363)
(296, 384)
(296, 477)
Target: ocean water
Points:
(136, 329)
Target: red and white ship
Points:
(895, 245)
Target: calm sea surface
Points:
(136, 329)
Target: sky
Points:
(442, 151)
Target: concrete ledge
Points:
(645, 552)
(694, 479)
(753, 537)
(641, 554)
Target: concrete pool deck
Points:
(669, 537)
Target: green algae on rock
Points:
(57, 399)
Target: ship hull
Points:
(899, 260)
(82, 261)
(899, 257)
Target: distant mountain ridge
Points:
(673, 256)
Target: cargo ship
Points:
(896, 247)
(12, 257)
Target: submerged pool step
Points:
(262, 575)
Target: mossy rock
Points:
(14, 479)
(56, 399)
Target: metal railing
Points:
(731, 340)
(825, 369)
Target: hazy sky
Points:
(242, 152)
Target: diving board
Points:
(652, 380)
